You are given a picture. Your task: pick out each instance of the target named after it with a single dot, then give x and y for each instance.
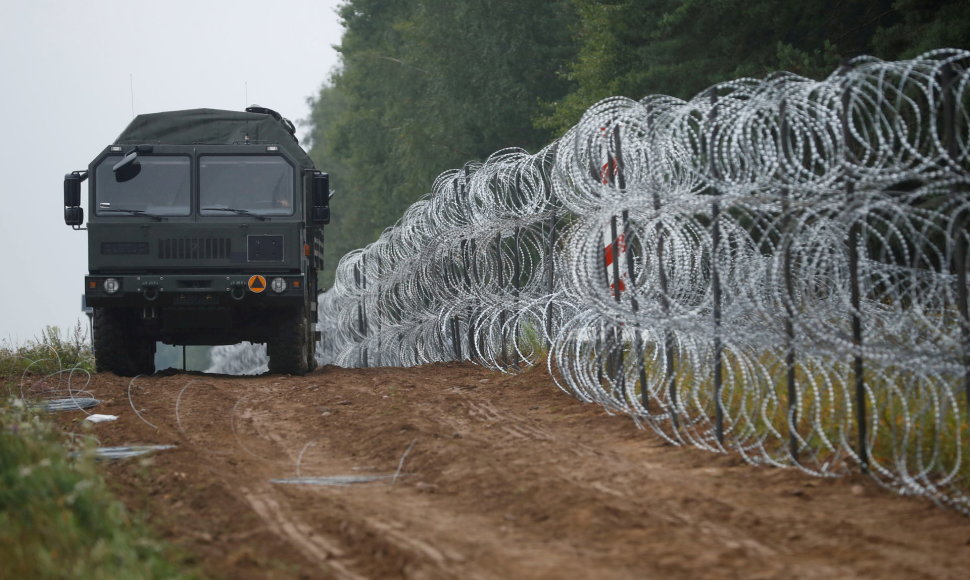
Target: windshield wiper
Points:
(236, 211)
(130, 211)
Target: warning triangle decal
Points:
(257, 283)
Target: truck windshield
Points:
(232, 185)
(158, 185)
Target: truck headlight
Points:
(278, 285)
(111, 285)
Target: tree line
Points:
(428, 85)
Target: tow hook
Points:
(150, 290)
(238, 291)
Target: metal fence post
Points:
(616, 358)
(716, 279)
(635, 306)
(855, 289)
(959, 229)
(786, 244)
(468, 250)
(379, 313)
(550, 276)
(670, 378)
(360, 277)
(456, 334)
(630, 264)
(500, 260)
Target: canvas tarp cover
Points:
(211, 127)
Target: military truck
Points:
(205, 227)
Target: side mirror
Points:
(72, 189)
(73, 213)
(321, 215)
(320, 186)
(74, 216)
(320, 194)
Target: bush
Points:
(57, 517)
(54, 352)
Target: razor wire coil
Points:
(775, 267)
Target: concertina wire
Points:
(775, 268)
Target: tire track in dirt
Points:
(324, 553)
(498, 477)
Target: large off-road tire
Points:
(311, 356)
(118, 346)
(311, 349)
(288, 348)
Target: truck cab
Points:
(205, 227)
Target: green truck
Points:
(205, 227)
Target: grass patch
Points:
(917, 431)
(57, 517)
(54, 351)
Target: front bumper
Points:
(195, 290)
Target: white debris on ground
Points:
(99, 418)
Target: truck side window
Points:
(262, 185)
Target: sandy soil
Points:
(484, 476)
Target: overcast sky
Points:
(70, 74)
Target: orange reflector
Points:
(306, 249)
(296, 283)
(92, 284)
(257, 283)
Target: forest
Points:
(427, 85)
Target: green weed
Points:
(916, 423)
(57, 517)
(52, 352)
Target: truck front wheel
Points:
(119, 347)
(288, 349)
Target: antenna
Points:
(131, 88)
(246, 88)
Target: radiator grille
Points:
(194, 249)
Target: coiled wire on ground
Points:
(775, 267)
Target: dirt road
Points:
(482, 475)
